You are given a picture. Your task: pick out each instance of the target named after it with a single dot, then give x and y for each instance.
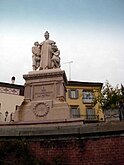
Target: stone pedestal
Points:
(44, 97)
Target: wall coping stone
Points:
(84, 131)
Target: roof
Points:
(13, 86)
(79, 83)
(69, 83)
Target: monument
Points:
(45, 92)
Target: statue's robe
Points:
(46, 54)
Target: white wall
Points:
(8, 103)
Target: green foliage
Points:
(110, 97)
(17, 152)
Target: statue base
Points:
(44, 97)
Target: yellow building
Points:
(11, 96)
(80, 97)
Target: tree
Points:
(110, 97)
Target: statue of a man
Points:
(36, 56)
(46, 52)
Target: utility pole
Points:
(69, 64)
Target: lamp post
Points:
(6, 114)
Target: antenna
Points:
(69, 64)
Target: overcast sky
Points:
(88, 32)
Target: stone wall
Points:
(96, 144)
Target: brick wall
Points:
(100, 151)
(96, 144)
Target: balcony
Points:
(90, 118)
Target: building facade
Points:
(80, 97)
(11, 96)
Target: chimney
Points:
(13, 80)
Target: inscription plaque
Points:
(43, 92)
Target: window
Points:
(88, 96)
(75, 112)
(73, 93)
(90, 113)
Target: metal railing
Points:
(86, 117)
(91, 117)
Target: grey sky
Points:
(87, 32)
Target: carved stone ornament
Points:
(41, 109)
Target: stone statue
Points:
(49, 54)
(55, 60)
(36, 56)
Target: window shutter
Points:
(69, 93)
(77, 95)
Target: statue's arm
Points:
(51, 42)
(34, 51)
(57, 53)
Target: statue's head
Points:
(46, 35)
(36, 43)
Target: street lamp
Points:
(6, 114)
